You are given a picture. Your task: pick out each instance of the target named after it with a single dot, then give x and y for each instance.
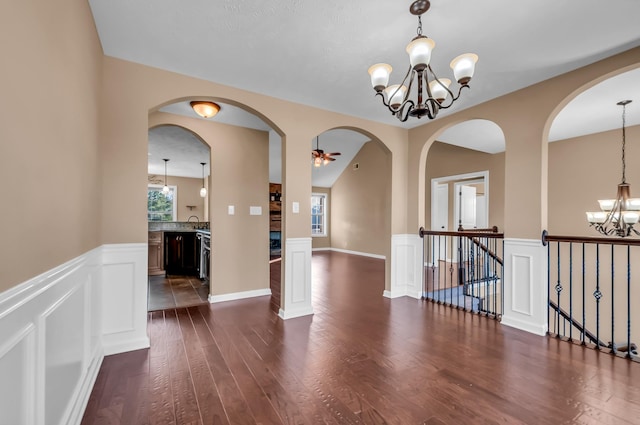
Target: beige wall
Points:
(188, 194)
(240, 177)
(323, 241)
(50, 84)
(525, 117)
(132, 90)
(585, 169)
(361, 202)
(447, 160)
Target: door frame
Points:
(478, 175)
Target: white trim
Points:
(525, 285)
(392, 295)
(296, 294)
(320, 249)
(239, 295)
(362, 254)
(325, 215)
(285, 315)
(407, 271)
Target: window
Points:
(161, 207)
(318, 214)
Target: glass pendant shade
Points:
(633, 204)
(380, 73)
(606, 204)
(203, 191)
(165, 189)
(630, 217)
(395, 95)
(463, 67)
(419, 51)
(596, 217)
(439, 92)
(317, 161)
(205, 109)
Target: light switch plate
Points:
(296, 207)
(255, 210)
(231, 209)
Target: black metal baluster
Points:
(548, 285)
(597, 295)
(613, 303)
(571, 291)
(628, 301)
(584, 299)
(558, 291)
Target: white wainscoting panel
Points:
(407, 270)
(50, 347)
(124, 297)
(525, 285)
(296, 296)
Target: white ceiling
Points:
(318, 52)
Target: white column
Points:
(406, 266)
(525, 285)
(296, 295)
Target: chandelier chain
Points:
(419, 29)
(624, 142)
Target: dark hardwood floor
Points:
(176, 291)
(361, 359)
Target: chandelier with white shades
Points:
(618, 216)
(433, 93)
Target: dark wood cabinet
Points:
(180, 253)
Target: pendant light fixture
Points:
(203, 191)
(618, 216)
(205, 109)
(165, 189)
(433, 93)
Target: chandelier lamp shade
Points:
(165, 188)
(203, 191)
(204, 108)
(433, 93)
(618, 216)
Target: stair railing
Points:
(463, 269)
(591, 292)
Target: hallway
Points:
(360, 358)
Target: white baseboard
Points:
(362, 254)
(239, 295)
(295, 313)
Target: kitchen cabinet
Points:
(180, 253)
(156, 257)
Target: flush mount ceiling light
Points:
(618, 216)
(165, 188)
(203, 191)
(433, 92)
(205, 109)
(319, 157)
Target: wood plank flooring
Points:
(361, 359)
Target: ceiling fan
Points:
(321, 158)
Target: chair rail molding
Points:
(525, 285)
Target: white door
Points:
(439, 222)
(467, 206)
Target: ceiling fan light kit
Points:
(204, 108)
(319, 157)
(618, 216)
(433, 93)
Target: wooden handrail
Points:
(487, 250)
(546, 237)
(493, 229)
(586, 332)
(466, 233)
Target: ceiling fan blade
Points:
(334, 153)
(328, 158)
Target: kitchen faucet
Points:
(193, 216)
